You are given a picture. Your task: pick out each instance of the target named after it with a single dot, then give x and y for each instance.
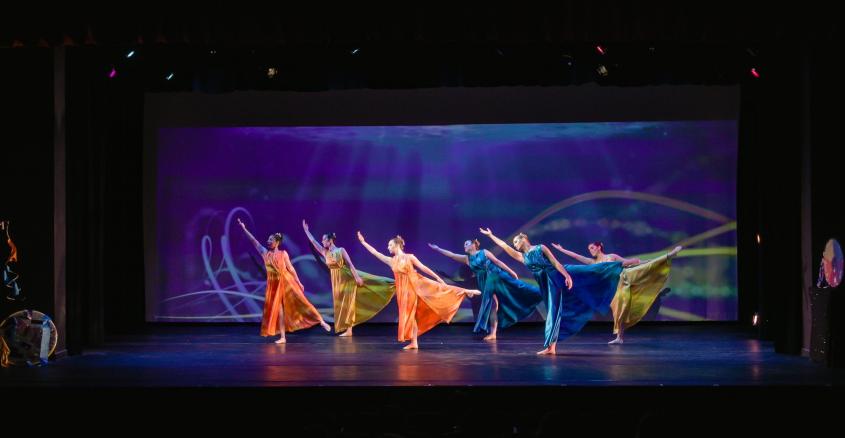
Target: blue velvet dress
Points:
(569, 310)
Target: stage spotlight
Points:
(569, 60)
(112, 73)
(130, 54)
(355, 51)
(212, 52)
(758, 238)
(755, 73)
(602, 70)
(600, 49)
(271, 72)
(169, 77)
(755, 319)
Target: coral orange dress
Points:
(422, 300)
(283, 291)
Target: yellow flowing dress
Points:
(355, 304)
(638, 288)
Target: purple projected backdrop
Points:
(640, 187)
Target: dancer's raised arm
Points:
(311, 239)
(373, 251)
(502, 244)
(252, 238)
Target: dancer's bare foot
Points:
(674, 251)
(472, 293)
(325, 326)
(490, 337)
(550, 350)
(346, 334)
(616, 341)
(281, 340)
(411, 346)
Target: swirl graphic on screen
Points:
(239, 290)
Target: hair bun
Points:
(399, 241)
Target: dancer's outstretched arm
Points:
(373, 251)
(456, 257)
(574, 255)
(351, 267)
(625, 262)
(557, 265)
(500, 264)
(502, 244)
(252, 238)
(425, 269)
(311, 239)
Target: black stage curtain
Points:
(828, 160)
(769, 200)
(26, 157)
(105, 238)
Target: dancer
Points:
(423, 303)
(285, 306)
(567, 312)
(10, 277)
(504, 298)
(358, 296)
(639, 284)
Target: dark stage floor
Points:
(704, 355)
(667, 380)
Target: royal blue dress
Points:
(569, 310)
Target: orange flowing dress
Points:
(421, 299)
(283, 292)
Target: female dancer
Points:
(285, 306)
(639, 284)
(10, 277)
(567, 312)
(504, 298)
(358, 296)
(423, 303)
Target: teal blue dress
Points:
(517, 299)
(569, 310)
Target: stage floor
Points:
(235, 356)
